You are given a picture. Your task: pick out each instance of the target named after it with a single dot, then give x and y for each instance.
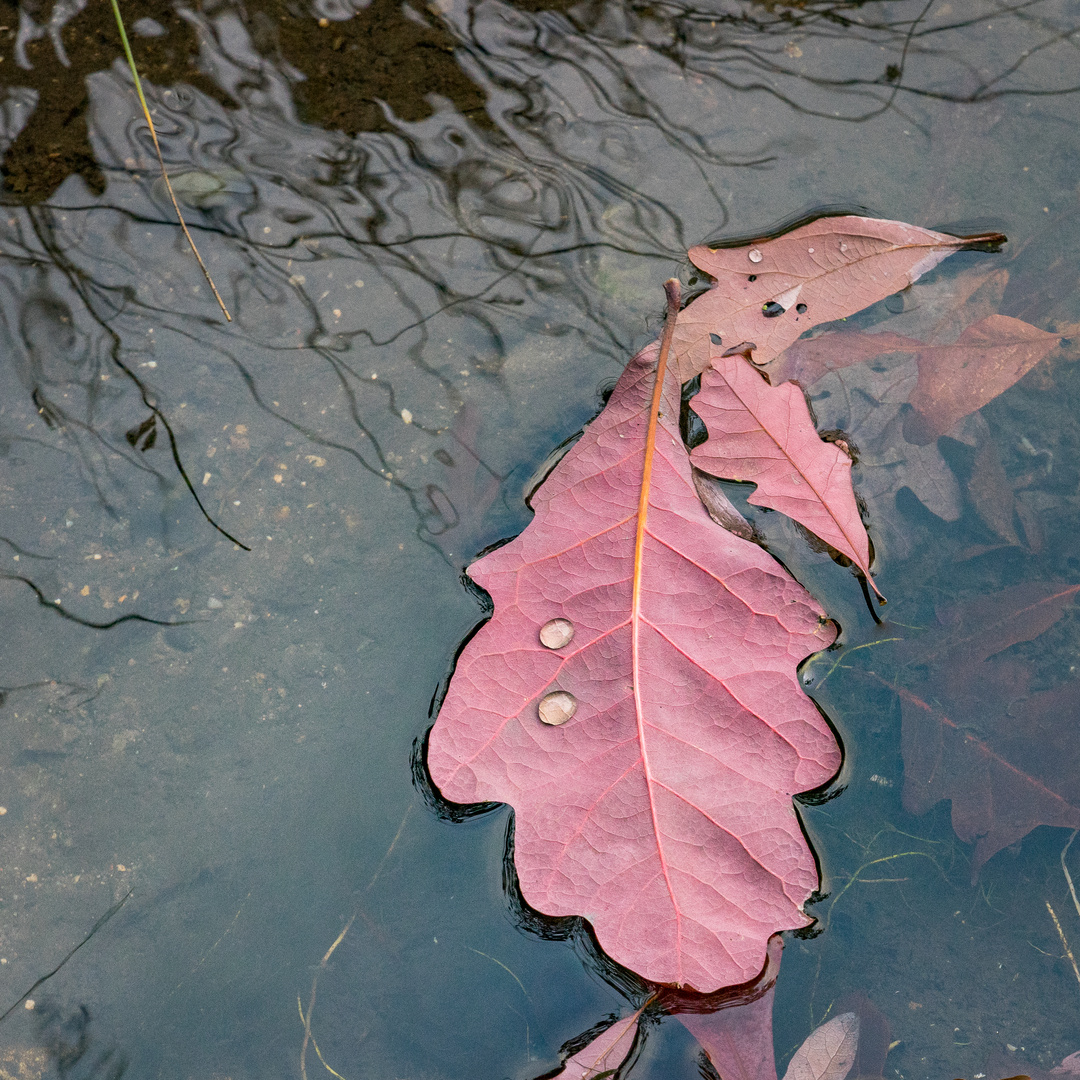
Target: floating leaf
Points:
(661, 810)
(773, 291)
(764, 434)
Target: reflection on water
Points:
(441, 231)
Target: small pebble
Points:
(557, 707)
(556, 633)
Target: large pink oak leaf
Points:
(773, 291)
(764, 434)
(661, 810)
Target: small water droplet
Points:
(556, 633)
(755, 255)
(557, 707)
(810, 250)
(843, 246)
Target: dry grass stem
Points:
(161, 160)
(309, 1038)
(1064, 942)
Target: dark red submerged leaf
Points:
(973, 733)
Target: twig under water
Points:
(97, 926)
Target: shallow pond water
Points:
(232, 552)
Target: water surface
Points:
(441, 231)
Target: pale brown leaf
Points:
(828, 1052)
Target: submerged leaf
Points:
(874, 1036)
(957, 379)
(973, 733)
(721, 509)
(867, 403)
(738, 1038)
(810, 359)
(828, 1052)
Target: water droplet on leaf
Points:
(755, 255)
(556, 633)
(557, 707)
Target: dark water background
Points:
(442, 230)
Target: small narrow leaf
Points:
(721, 509)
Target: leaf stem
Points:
(671, 288)
(161, 160)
